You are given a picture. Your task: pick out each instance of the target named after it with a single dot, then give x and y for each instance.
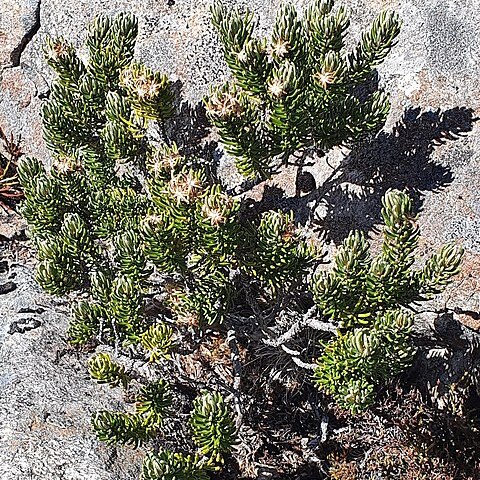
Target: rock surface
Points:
(46, 398)
(19, 22)
(431, 146)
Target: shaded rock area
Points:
(430, 146)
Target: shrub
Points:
(104, 370)
(101, 228)
(119, 217)
(114, 207)
(213, 428)
(299, 88)
(211, 422)
(369, 296)
(167, 465)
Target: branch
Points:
(237, 375)
(294, 355)
(297, 327)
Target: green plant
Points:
(167, 465)
(211, 422)
(280, 256)
(300, 87)
(96, 227)
(85, 207)
(113, 208)
(353, 363)
(123, 428)
(153, 402)
(151, 406)
(213, 429)
(104, 370)
(157, 341)
(116, 205)
(368, 297)
(129, 223)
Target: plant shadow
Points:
(447, 363)
(350, 198)
(402, 159)
(190, 130)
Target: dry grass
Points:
(10, 153)
(407, 439)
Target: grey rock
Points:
(19, 21)
(46, 398)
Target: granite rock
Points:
(46, 397)
(19, 22)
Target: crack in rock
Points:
(7, 287)
(16, 54)
(38, 310)
(24, 325)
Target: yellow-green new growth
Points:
(104, 370)
(168, 465)
(213, 428)
(157, 342)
